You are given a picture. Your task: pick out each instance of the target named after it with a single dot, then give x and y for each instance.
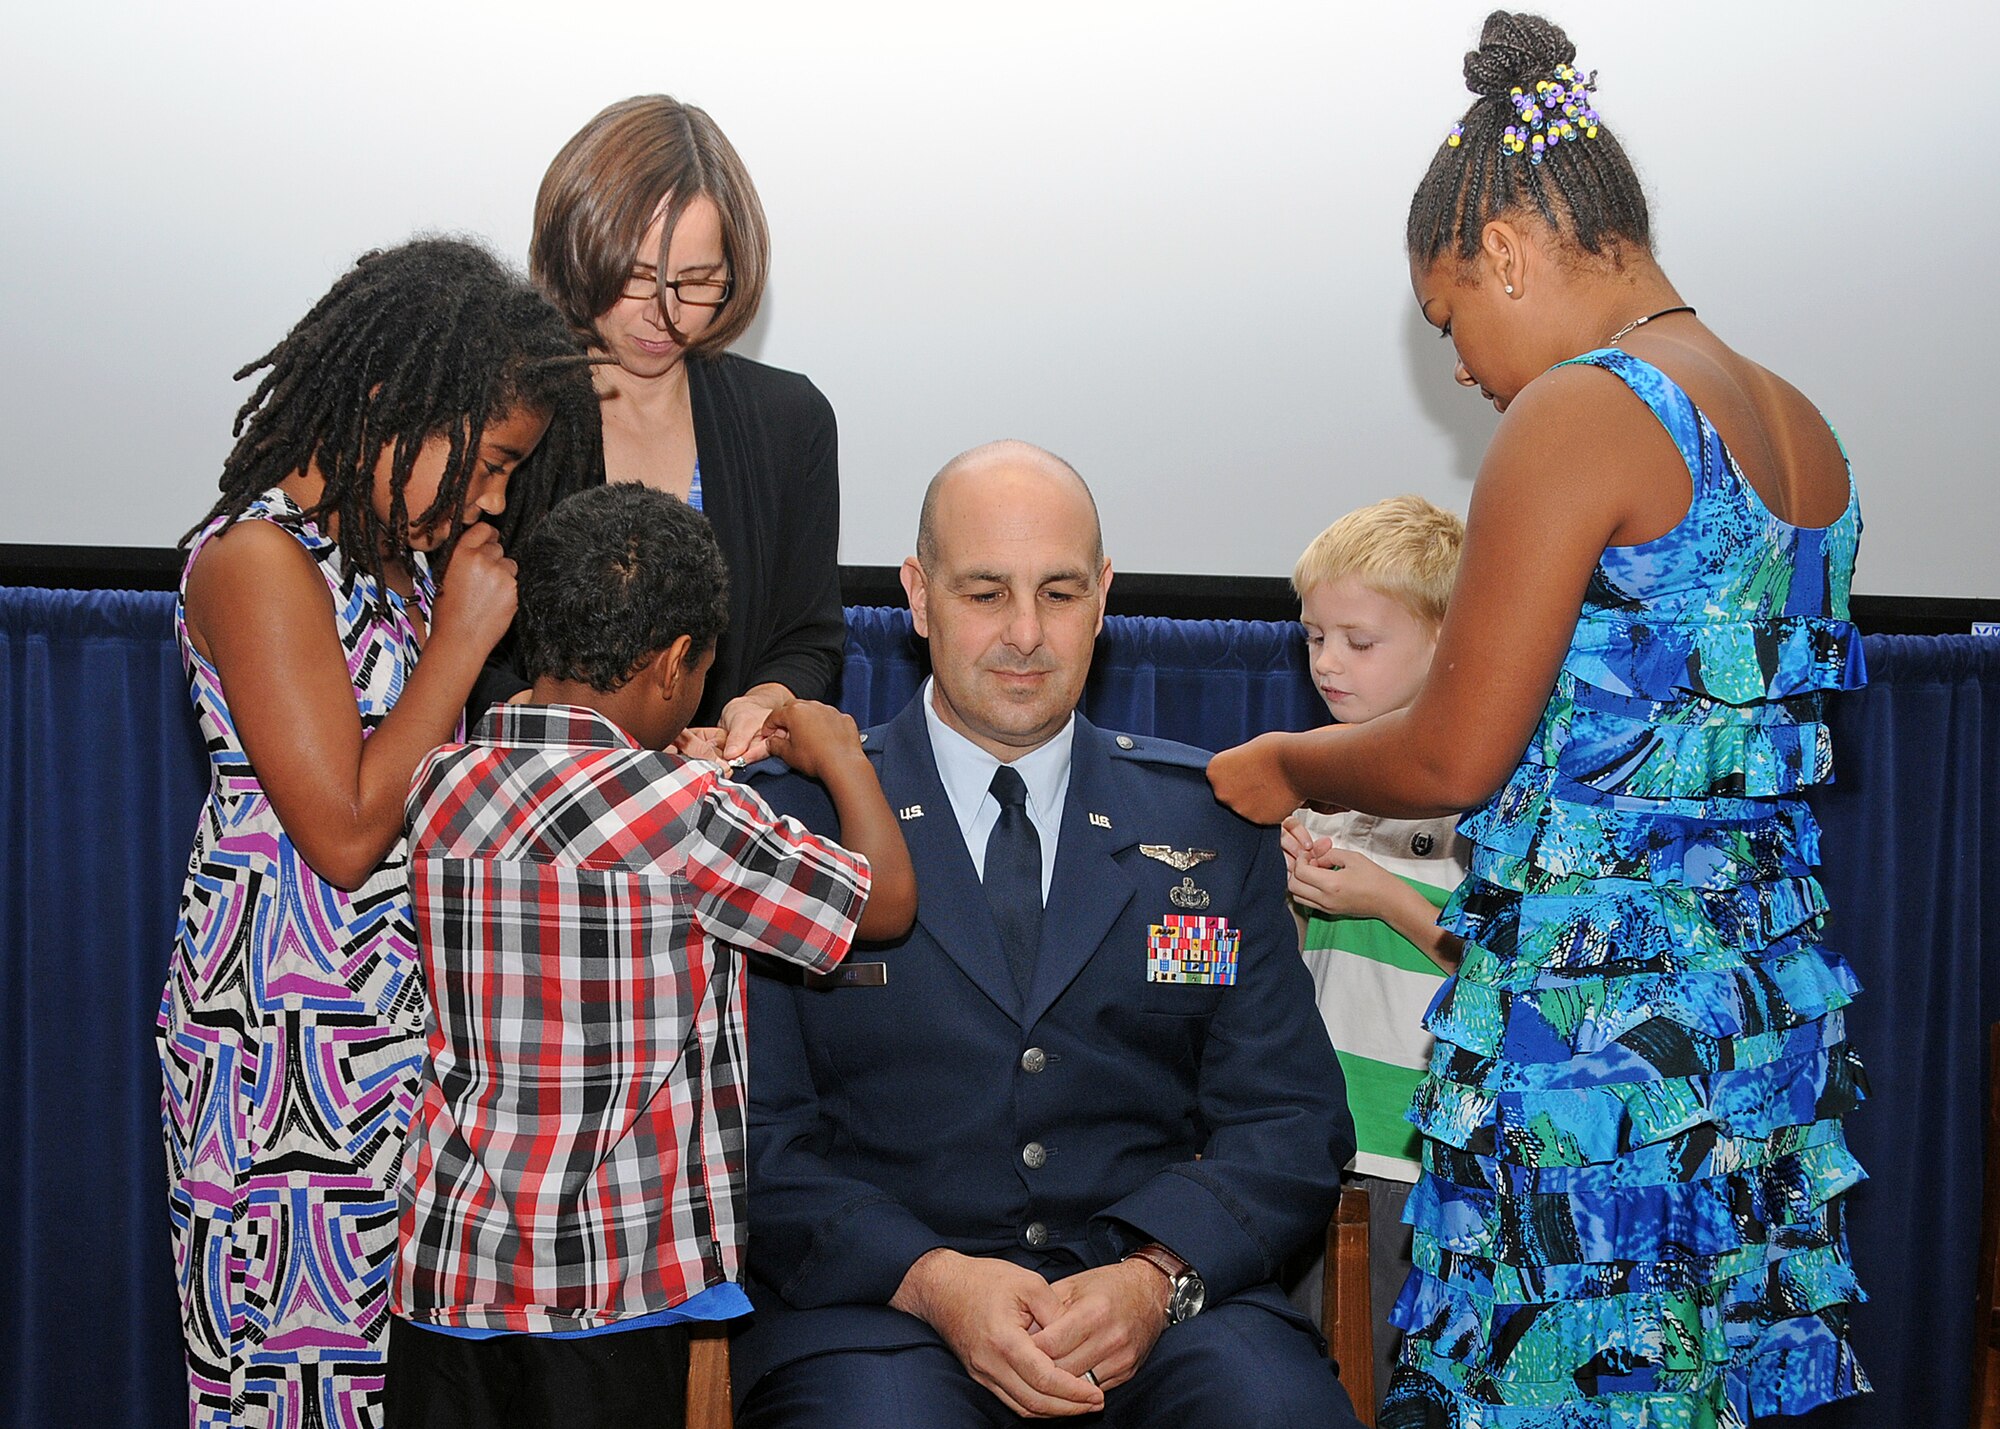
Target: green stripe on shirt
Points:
(1379, 1095)
(1373, 939)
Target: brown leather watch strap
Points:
(1162, 1260)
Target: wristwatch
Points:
(1185, 1292)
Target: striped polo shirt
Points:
(1373, 986)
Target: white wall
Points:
(1163, 239)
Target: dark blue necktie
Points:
(1014, 876)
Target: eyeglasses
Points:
(690, 292)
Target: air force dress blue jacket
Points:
(1167, 1077)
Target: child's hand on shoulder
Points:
(1340, 882)
(811, 737)
(476, 601)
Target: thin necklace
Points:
(1612, 341)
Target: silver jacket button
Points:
(1036, 1233)
(1125, 741)
(1035, 1155)
(1034, 1059)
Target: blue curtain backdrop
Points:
(102, 772)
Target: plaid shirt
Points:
(576, 1155)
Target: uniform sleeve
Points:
(1271, 1095)
(764, 883)
(823, 1237)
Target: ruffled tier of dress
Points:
(1632, 1115)
(1631, 1210)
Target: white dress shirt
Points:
(966, 771)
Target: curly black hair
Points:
(435, 338)
(1587, 191)
(611, 577)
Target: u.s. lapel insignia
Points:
(1180, 860)
(1098, 821)
(1188, 896)
(910, 811)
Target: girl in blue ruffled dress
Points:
(1634, 1165)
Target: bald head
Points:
(1008, 585)
(1006, 478)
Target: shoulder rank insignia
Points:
(1180, 860)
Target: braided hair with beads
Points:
(1585, 190)
(434, 338)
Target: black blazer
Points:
(770, 486)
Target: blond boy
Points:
(1372, 590)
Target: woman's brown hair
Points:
(601, 192)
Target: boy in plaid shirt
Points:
(572, 1189)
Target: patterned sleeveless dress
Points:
(290, 1037)
(1631, 1207)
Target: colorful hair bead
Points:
(1558, 111)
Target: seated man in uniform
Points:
(1044, 1155)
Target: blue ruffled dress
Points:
(1631, 1207)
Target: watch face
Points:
(1189, 1296)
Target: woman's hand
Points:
(742, 725)
(1251, 779)
(700, 742)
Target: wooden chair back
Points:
(708, 1402)
(1347, 1310)
(1986, 1304)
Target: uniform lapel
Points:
(1089, 889)
(951, 903)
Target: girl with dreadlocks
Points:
(387, 424)
(1634, 1163)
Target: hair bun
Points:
(1515, 50)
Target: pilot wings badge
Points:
(1180, 860)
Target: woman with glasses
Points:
(650, 238)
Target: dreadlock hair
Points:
(436, 338)
(1586, 191)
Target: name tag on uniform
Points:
(1185, 948)
(852, 975)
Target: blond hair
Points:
(1404, 548)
